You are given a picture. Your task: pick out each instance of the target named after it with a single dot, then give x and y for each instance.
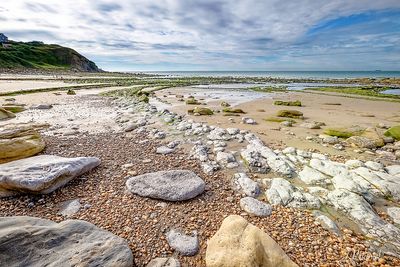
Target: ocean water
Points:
(288, 86)
(283, 74)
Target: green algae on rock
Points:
(192, 101)
(344, 132)
(201, 111)
(235, 110)
(296, 103)
(14, 109)
(393, 132)
(276, 119)
(71, 92)
(290, 114)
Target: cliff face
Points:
(37, 55)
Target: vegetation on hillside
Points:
(37, 55)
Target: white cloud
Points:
(191, 31)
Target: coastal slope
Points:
(37, 55)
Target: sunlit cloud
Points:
(215, 35)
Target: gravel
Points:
(144, 222)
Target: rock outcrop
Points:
(41, 174)
(238, 243)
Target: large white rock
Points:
(282, 192)
(369, 222)
(199, 152)
(326, 222)
(41, 174)
(243, 183)
(174, 185)
(313, 177)
(385, 183)
(254, 161)
(351, 181)
(276, 162)
(393, 170)
(30, 241)
(219, 134)
(225, 158)
(328, 167)
(394, 213)
(354, 163)
(304, 200)
(375, 166)
(233, 131)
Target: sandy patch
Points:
(363, 112)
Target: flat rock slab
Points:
(175, 185)
(34, 242)
(41, 174)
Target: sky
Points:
(150, 35)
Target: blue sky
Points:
(125, 35)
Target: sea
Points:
(283, 74)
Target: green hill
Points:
(37, 55)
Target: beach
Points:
(304, 176)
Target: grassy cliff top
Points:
(37, 55)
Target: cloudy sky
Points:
(215, 35)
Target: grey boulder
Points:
(41, 174)
(185, 245)
(34, 242)
(174, 185)
(255, 207)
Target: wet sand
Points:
(362, 112)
